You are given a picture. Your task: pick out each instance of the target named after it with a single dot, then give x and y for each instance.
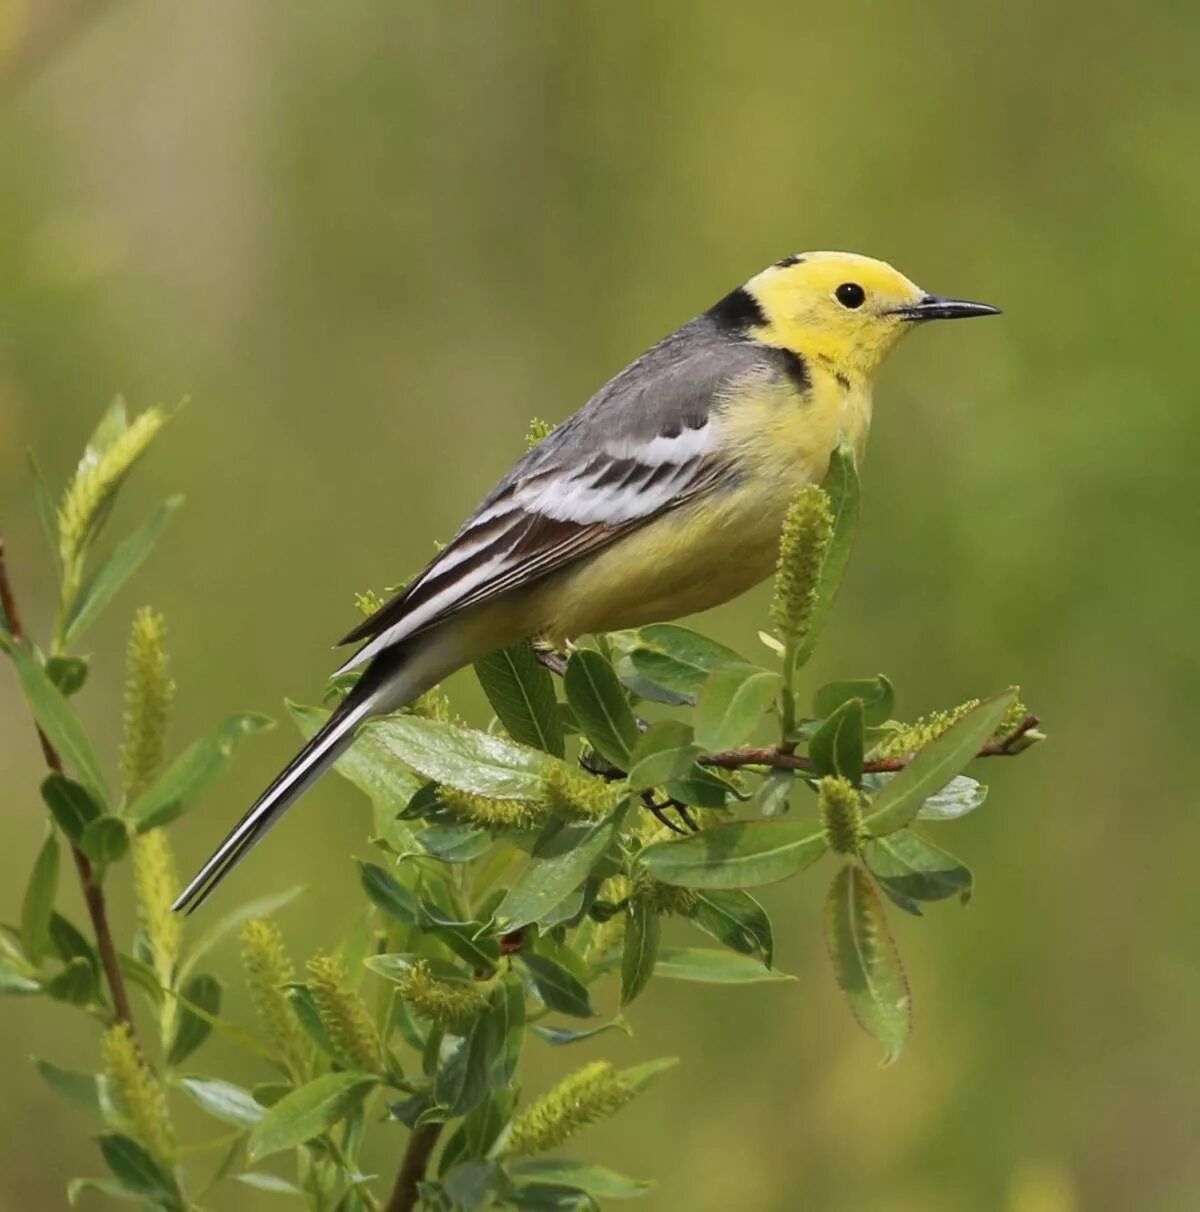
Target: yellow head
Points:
(843, 309)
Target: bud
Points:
(343, 1013)
(841, 815)
(91, 490)
(450, 1003)
(910, 738)
(268, 969)
(590, 1094)
(803, 542)
(137, 1094)
(538, 430)
(148, 694)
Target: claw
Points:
(685, 816)
(660, 815)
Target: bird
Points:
(662, 496)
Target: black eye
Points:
(850, 294)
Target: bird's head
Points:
(844, 309)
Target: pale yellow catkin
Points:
(268, 968)
(590, 1094)
(138, 1095)
(343, 1013)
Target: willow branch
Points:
(734, 759)
(93, 894)
(421, 1143)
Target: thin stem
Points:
(93, 893)
(734, 759)
(421, 1144)
(339, 1156)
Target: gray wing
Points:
(642, 445)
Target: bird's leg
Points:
(659, 812)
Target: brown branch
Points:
(421, 1144)
(734, 759)
(93, 894)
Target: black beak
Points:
(934, 307)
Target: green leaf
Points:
(774, 793)
(70, 943)
(57, 719)
(304, 1006)
(471, 1184)
(193, 772)
(736, 919)
(714, 967)
(396, 966)
(841, 487)
(521, 692)
(534, 1197)
(673, 658)
(463, 758)
(836, 748)
(596, 1180)
(105, 840)
(600, 707)
(13, 980)
(67, 673)
(508, 1015)
(46, 510)
(191, 1030)
(470, 941)
(958, 797)
(558, 988)
(389, 894)
(638, 1077)
(267, 1182)
(877, 694)
(75, 984)
(664, 752)
(82, 1089)
(865, 960)
(910, 869)
(732, 701)
(107, 579)
(464, 1067)
(643, 929)
(38, 904)
(741, 854)
(558, 865)
(561, 1036)
(374, 770)
(70, 803)
(137, 1171)
(454, 843)
(233, 921)
(223, 1100)
(928, 773)
(308, 1112)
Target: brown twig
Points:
(734, 759)
(93, 894)
(421, 1144)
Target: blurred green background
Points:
(371, 240)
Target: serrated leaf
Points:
(836, 748)
(308, 1112)
(558, 988)
(38, 904)
(671, 657)
(558, 865)
(107, 579)
(191, 1030)
(601, 709)
(374, 770)
(909, 868)
(899, 802)
(464, 758)
(57, 719)
(193, 772)
(70, 803)
(643, 930)
(741, 854)
(596, 1180)
(877, 695)
(732, 701)
(736, 919)
(223, 1100)
(713, 967)
(105, 840)
(865, 959)
(521, 692)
